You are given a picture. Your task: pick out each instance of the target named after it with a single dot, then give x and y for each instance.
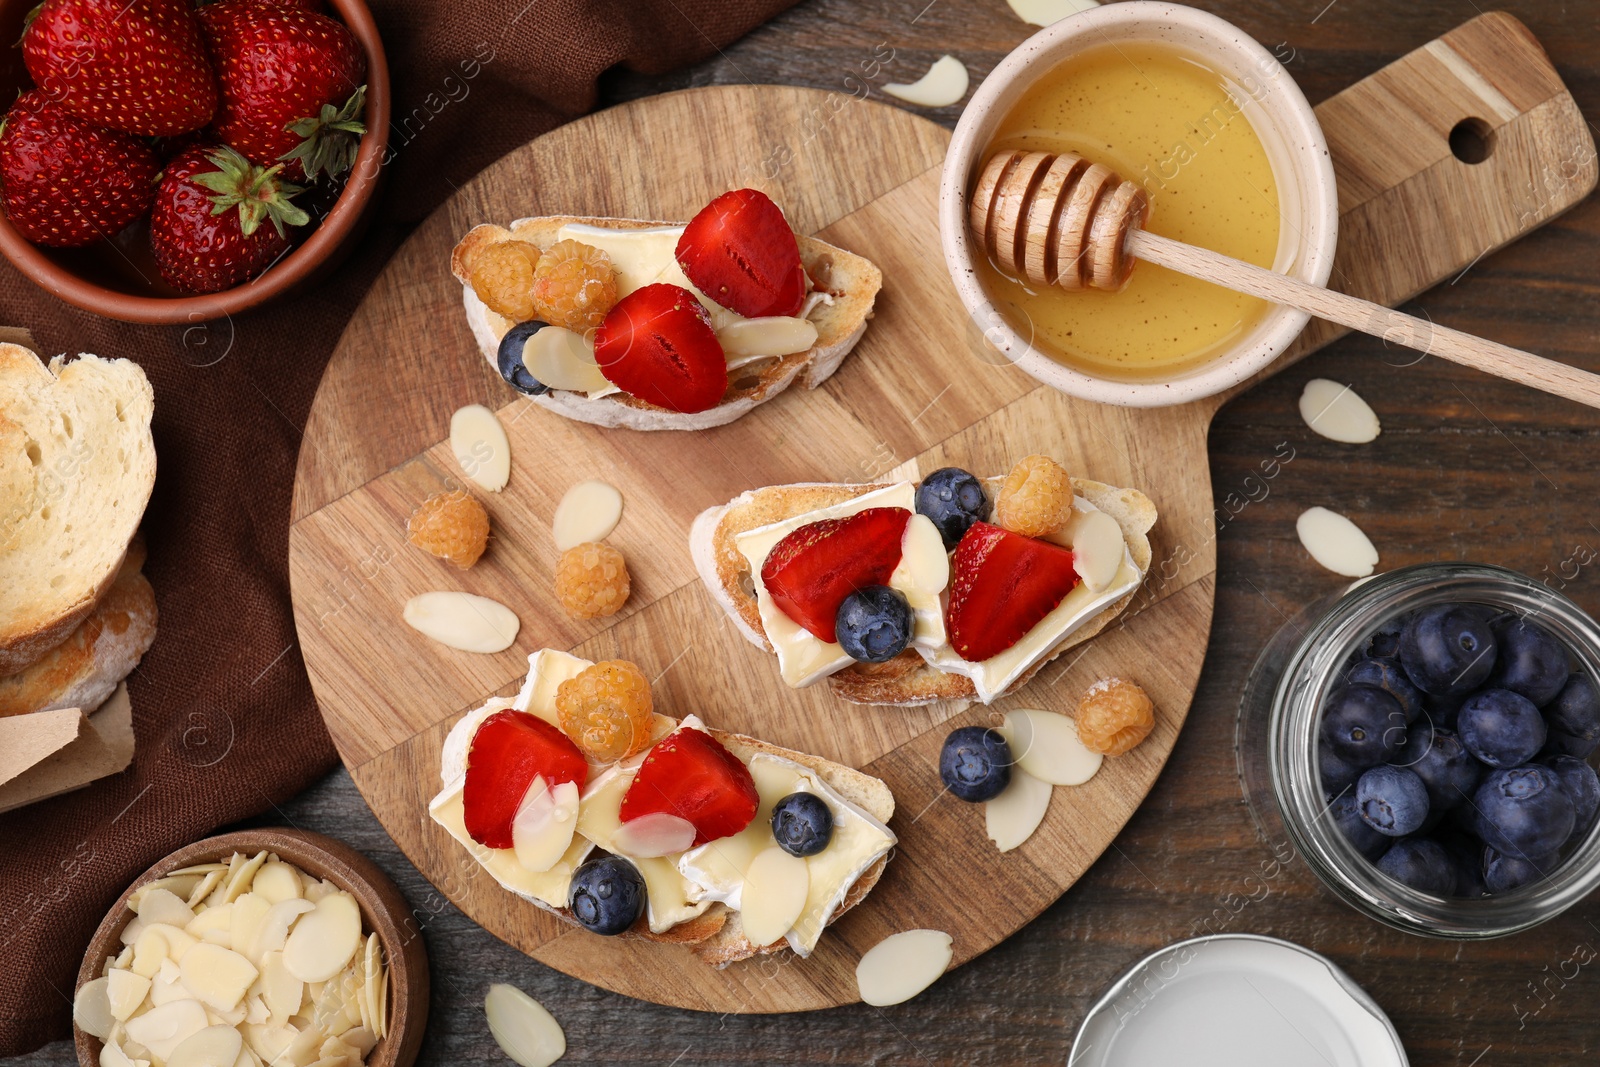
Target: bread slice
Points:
(84, 670)
(907, 679)
(716, 935)
(77, 464)
(850, 281)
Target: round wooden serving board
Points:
(922, 389)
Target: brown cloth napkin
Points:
(224, 716)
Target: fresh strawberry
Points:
(291, 85)
(657, 343)
(134, 65)
(741, 253)
(206, 228)
(510, 750)
(689, 774)
(66, 182)
(813, 569)
(1002, 585)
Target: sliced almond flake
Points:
(208, 885)
(91, 1009)
(214, 925)
(359, 1038)
(124, 957)
(162, 906)
(302, 1051)
(198, 868)
(239, 880)
(130, 933)
(277, 881)
(180, 886)
(381, 1005)
(371, 976)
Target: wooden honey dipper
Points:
(1059, 220)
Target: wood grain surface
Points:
(912, 392)
(1467, 468)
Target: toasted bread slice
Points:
(716, 935)
(85, 669)
(851, 283)
(908, 679)
(77, 464)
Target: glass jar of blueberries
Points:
(1429, 743)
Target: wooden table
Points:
(1467, 468)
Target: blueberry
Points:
(1582, 788)
(509, 358)
(975, 763)
(1392, 800)
(954, 499)
(1337, 775)
(802, 823)
(1501, 728)
(1448, 649)
(1529, 661)
(1560, 744)
(874, 624)
(1363, 726)
(1386, 674)
(607, 895)
(1367, 841)
(1446, 768)
(1503, 873)
(1524, 811)
(1575, 711)
(1421, 863)
(1384, 642)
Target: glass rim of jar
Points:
(1296, 713)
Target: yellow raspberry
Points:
(502, 276)
(574, 286)
(452, 526)
(592, 580)
(606, 710)
(1114, 716)
(1036, 498)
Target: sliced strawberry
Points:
(657, 343)
(1004, 584)
(510, 749)
(741, 253)
(689, 774)
(809, 573)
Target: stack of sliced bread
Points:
(77, 463)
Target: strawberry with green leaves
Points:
(133, 65)
(206, 229)
(66, 182)
(291, 84)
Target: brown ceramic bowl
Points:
(118, 278)
(383, 911)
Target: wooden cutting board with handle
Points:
(922, 390)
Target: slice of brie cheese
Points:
(921, 576)
(992, 676)
(669, 897)
(544, 887)
(649, 256)
(858, 841)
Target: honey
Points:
(1158, 118)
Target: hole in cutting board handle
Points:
(1472, 140)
